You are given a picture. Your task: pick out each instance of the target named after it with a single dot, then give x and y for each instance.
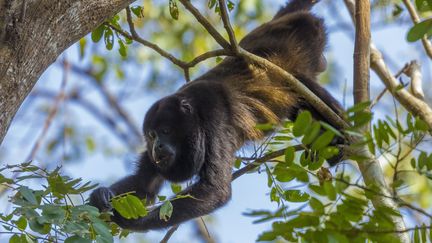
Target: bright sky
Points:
(249, 191)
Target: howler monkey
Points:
(197, 130)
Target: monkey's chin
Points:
(164, 163)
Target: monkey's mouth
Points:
(162, 158)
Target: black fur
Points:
(197, 130)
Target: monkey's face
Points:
(173, 136)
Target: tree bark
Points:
(33, 33)
(370, 168)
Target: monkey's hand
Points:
(100, 198)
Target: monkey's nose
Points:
(163, 152)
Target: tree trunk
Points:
(33, 33)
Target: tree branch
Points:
(182, 64)
(227, 25)
(169, 233)
(204, 22)
(416, 19)
(413, 71)
(414, 105)
(370, 168)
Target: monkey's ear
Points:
(322, 66)
(186, 106)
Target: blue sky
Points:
(250, 191)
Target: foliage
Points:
(337, 208)
(315, 203)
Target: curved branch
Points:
(416, 19)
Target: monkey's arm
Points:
(145, 183)
(212, 191)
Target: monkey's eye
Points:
(166, 131)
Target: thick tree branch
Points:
(361, 90)
(30, 42)
(414, 105)
(370, 168)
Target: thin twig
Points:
(204, 22)
(257, 162)
(57, 101)
(169, 233)
(227, 26)
(111, 100)
(133, 35)
(107, 120)
(416, 19)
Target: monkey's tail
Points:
(294, 6)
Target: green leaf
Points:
(419, 30)
(90, 144)
(323, 141)
(296, 196)
(424, 5)
(281, 174)
(21, 223)
(397, 10)
(359, 107)
(41, 228)
(122, 48)
(274, 197)
(129, 206)
(316, 205)
(416, 235)
(237, 163)
(82, 46)
(422, 160)
(267, 236)
(423, 233)
(176, 188)
(53, 213)
(312, 133)
(330, 190)
(103, 231)
(230, 5)
(329, 152)
(173, 9)
(28, 195)
(421, 125)
(316, 164)
(302, 123)
(138, 11)
(109, 39)
(264, 126)
(289, 155)
(211, 4)
(77, 239)
(166, 211)
(16, 239)
(96, 34)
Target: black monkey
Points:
(197, 130)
